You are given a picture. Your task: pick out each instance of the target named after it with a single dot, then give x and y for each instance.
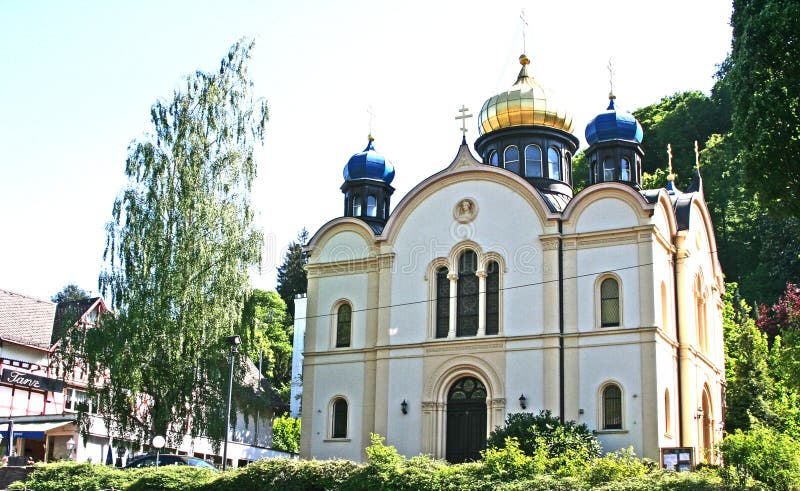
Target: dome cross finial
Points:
(463, 119)
(670, 176)
(524, 29)
(696, 156)
(610, 67)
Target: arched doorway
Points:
(466, 420)
(707, 428)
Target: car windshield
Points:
(200, 463)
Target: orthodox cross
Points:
(371, 113)
(670, 176)
(696, 156)
(463, 119)
(524, 25)
(610, 78)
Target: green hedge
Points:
(504, 468)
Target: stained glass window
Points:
(343, 325)
(492, 298)
(467, 318)
(612, 408)
(442, 303)
(609, 303)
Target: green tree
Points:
(179, 251)
(292, 278)
(750, 385)
(265, 329)
(764, 79)
(69, 293)
(286, 434)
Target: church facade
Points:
(492, 289)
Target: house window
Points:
(339, 418)
(467, 295)
(625, 169)
(554, 163)
(533, 161)
(356, 205)
(609, 303)
(511, 159)
(442, 303)
(372, 206)
(343, 325)
(612, 407)
(492, 298)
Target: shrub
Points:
(533, 431)
(509, 462)
(765, 454)
(615, 466)
(72, 476)
(286, 434)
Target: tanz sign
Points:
(31, 381)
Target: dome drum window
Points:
(367, 189)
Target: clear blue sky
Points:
(78, 79)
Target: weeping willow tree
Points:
(178, 254)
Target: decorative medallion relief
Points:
(465, 210)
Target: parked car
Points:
(167, 459)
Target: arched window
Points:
(608, 170)
(667, 413)
(343, 325)
(492, 298)
(554, 163)
(511, 159)
(609, 303)
(568, 161)
(612, 407)
(356, 205)
(625, 169)
(467, 291)
(339, 418)
(593, 172)
(533, 161)
(372, 206)
(442, 303)
(493, 158)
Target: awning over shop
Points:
(31, 430)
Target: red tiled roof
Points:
(25, 319)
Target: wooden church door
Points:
(466, 420)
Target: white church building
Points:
(491, 289)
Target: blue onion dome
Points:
(369, 164)
(613, 125)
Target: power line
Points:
(514, 287)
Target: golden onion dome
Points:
(525, 103)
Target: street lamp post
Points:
(70, 447)
(233, 341)
(158, 443)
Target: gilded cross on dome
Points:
(670, 176)
(463, 119)
(696, 156)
